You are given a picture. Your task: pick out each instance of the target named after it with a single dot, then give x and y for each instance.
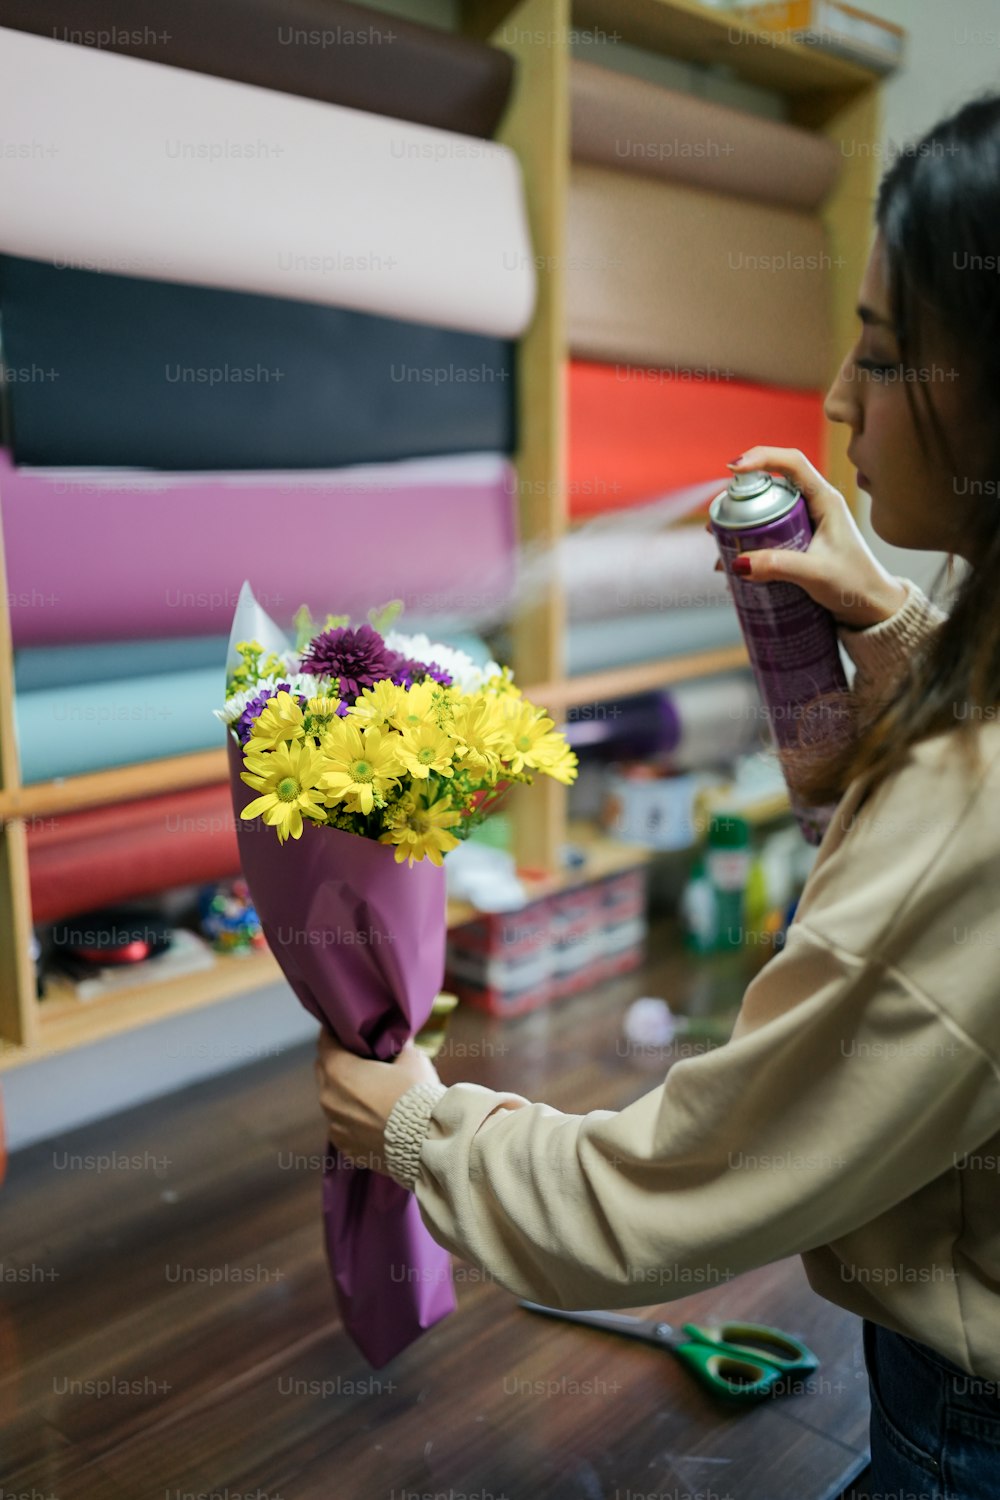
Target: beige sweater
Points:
(854, 1117)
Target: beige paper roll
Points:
(661, 274)
(639, 127)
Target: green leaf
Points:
(305, 627)
(385, 616)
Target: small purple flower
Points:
(248, 718)
(406, 671)
(357, 659)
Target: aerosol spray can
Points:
(791, 640)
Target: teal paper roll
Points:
(37, 667)
(595, 645)
(98, 725)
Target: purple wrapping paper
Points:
(361, 941)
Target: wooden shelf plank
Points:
(536, 127)
(696, 33)
(146, 779)
(848, 216)
(65, 1022)
(17, 987)
(644, 677)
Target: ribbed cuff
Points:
(406, 1129)
(881, 651)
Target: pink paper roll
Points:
(147, 170)
(634, 126)
(120, 554)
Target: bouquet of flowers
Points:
(369, 754)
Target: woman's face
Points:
(916, 500)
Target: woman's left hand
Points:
(358, 1093)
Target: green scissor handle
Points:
(743, 1361)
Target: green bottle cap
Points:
(728, 831)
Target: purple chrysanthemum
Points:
(244, 724)
(356, 659)
(406, 671)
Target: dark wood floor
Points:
(167, 1327)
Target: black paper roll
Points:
(118, 371)
(319, 49)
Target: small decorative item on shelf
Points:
(510, 962)
(370, 755)
(227, 917)
(111, 937)
(830, 26)
(737, 896)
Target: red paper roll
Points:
(89, 859)
(636, 434)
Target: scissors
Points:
(741, 1361)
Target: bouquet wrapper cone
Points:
(361, 941)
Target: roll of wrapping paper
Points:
(597, 645)
(673, 276)
(80, 861)
(624, 122)
(319, 49)
(700, 723)
(69, 731)
(66, 666)
(155, 171)
(636, 432)
(349, 539)
(608, 572)
(114, 370)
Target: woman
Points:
(867, 1051)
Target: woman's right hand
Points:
(839, 570)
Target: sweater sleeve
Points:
(881, 652)
(846, 1087)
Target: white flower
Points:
(300, 684)
(459, 666)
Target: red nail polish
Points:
(741, 566)
(735, 460)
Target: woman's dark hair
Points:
(937, 211)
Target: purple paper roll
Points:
(112, 555)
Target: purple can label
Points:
(793, 648)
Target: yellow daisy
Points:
(525, 726)
(377, 706)
(415, 705)
(320, 713)
(280, 720)
(361, 764)
(552, 755)
(478, 725)
(426, 748)
(287, 779)
(419, 827)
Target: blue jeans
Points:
(935, 1431)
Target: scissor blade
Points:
(647, 1330)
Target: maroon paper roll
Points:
(83, 860)
(318, 49)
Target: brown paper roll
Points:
(639, 127)
(319, 49)
(664, 275)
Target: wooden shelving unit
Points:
(823, 93)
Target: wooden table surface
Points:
(167, 1327)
